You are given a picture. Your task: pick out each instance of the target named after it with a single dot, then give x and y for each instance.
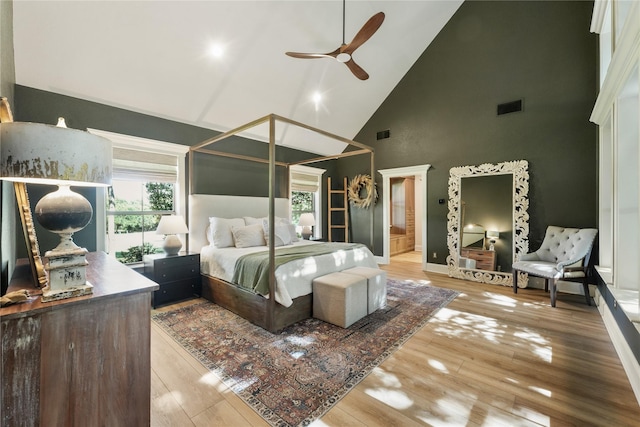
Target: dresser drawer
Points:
(485, 260)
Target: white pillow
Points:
(248, 236)
(221, 231)
(292, 233)
(249, 220)
(281, 233)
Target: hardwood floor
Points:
(490, 358)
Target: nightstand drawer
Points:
(177, 261)
(176, 291)
(178, 276)
(165, 274)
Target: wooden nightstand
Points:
(178, 276)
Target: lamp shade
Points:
(493, 234)
(306, 220)
(46, 154)
(172, 224)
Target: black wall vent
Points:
(510, 107)
(383, 134)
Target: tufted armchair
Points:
(563, 255)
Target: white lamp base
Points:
(172, 244)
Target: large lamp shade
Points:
(45, 154)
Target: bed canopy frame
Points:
(264, 311)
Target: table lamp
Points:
(37, 153)
(306, 221)
(492, 236)
(170, 225)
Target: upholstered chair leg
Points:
(553, 292)
(546, 285)
(586, 292)
(515, 281)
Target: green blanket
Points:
(252, 270)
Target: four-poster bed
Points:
(263, 311)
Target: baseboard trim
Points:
(437, 268)
(627, 358)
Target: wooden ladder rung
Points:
(344, 209)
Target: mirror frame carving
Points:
(520, 190)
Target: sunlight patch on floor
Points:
(539, 345)
(542, 391)
(394, 398)
(501, 299)
(169, 402)
(436, 364)
(453, 323)
(387, 379)
(211, 379)
(532, 415)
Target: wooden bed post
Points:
(272, 213)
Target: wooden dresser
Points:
(485, 259)
(81, 361)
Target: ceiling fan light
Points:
(343, 57)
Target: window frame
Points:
(141, 144)
(318, 195)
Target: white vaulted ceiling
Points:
(153, 57)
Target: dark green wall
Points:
(443, 112)
(214, 175)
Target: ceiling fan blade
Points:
(306, 55)
(357, 70)
(367, 30)
(313, 55)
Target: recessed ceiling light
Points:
(216, 50)
(317, 97)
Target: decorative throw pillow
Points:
(248, 236)
(249, 220)
(281, 233)
(221, 230)
(293, 233)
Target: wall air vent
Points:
(383, 134)
(510, 107)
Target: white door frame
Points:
(387, 174)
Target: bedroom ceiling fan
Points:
(345, 51)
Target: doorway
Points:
(418, 176)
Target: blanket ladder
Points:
(338, 207)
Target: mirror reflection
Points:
(486, 216)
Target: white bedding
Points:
(293, 279)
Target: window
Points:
(134, 208)
(148, 182)
(306, 195)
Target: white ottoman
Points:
(340, 298)
(376, 286)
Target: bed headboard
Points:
(202, 206)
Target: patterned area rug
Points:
(297, 375)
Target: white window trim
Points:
(119, 140)
(317, 230)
